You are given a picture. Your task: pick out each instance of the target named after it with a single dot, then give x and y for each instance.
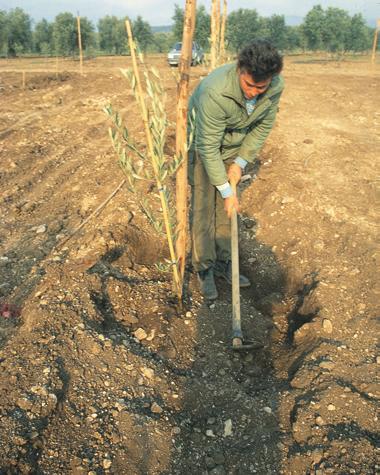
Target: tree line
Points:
(332, 30)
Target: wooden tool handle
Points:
(236, 321)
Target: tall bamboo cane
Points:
(181, 132)
(160, 187)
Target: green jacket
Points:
(223, 128)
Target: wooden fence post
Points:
(214, 33)
(181, 133)
(217, 21)
(223, 32)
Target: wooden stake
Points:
(217, 22)
(223, 32)
(148, 135)
(374, 47)
(213, 36)
(23, 79)
(80, 47)
(181, 133)
(214, 33)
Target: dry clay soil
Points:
(81, 392)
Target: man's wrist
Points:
(225, 190)
(241, 162)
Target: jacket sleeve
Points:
(210, 125)
(254, 141)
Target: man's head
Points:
(257, 63)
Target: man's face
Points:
(250, 87)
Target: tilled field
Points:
(101, 373)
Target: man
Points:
(234, 109)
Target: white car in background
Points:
(174, 54)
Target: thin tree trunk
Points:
(181, 133)
(223, 32)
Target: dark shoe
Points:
(207, 284)
(224, 270)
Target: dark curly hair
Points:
(260, 59)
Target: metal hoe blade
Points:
(245, 345)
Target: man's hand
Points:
(234, 174)
(231, 203)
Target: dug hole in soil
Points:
(100, 372)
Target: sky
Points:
(159, 12)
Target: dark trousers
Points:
(210, 225)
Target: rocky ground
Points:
(102, 373)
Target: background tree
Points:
(336, 28)
(19, 32)
(359, 38)
(112, 35)
(263, 30)
(332, 30)
(65, 34)
(314, 28)
(277, 31)
(43, 37)
(202, 26)
(161, 42)
(177, 18)
(242, 25)
(295, 38)
(3, 33)
(142, 33)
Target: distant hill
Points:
(162, 29)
